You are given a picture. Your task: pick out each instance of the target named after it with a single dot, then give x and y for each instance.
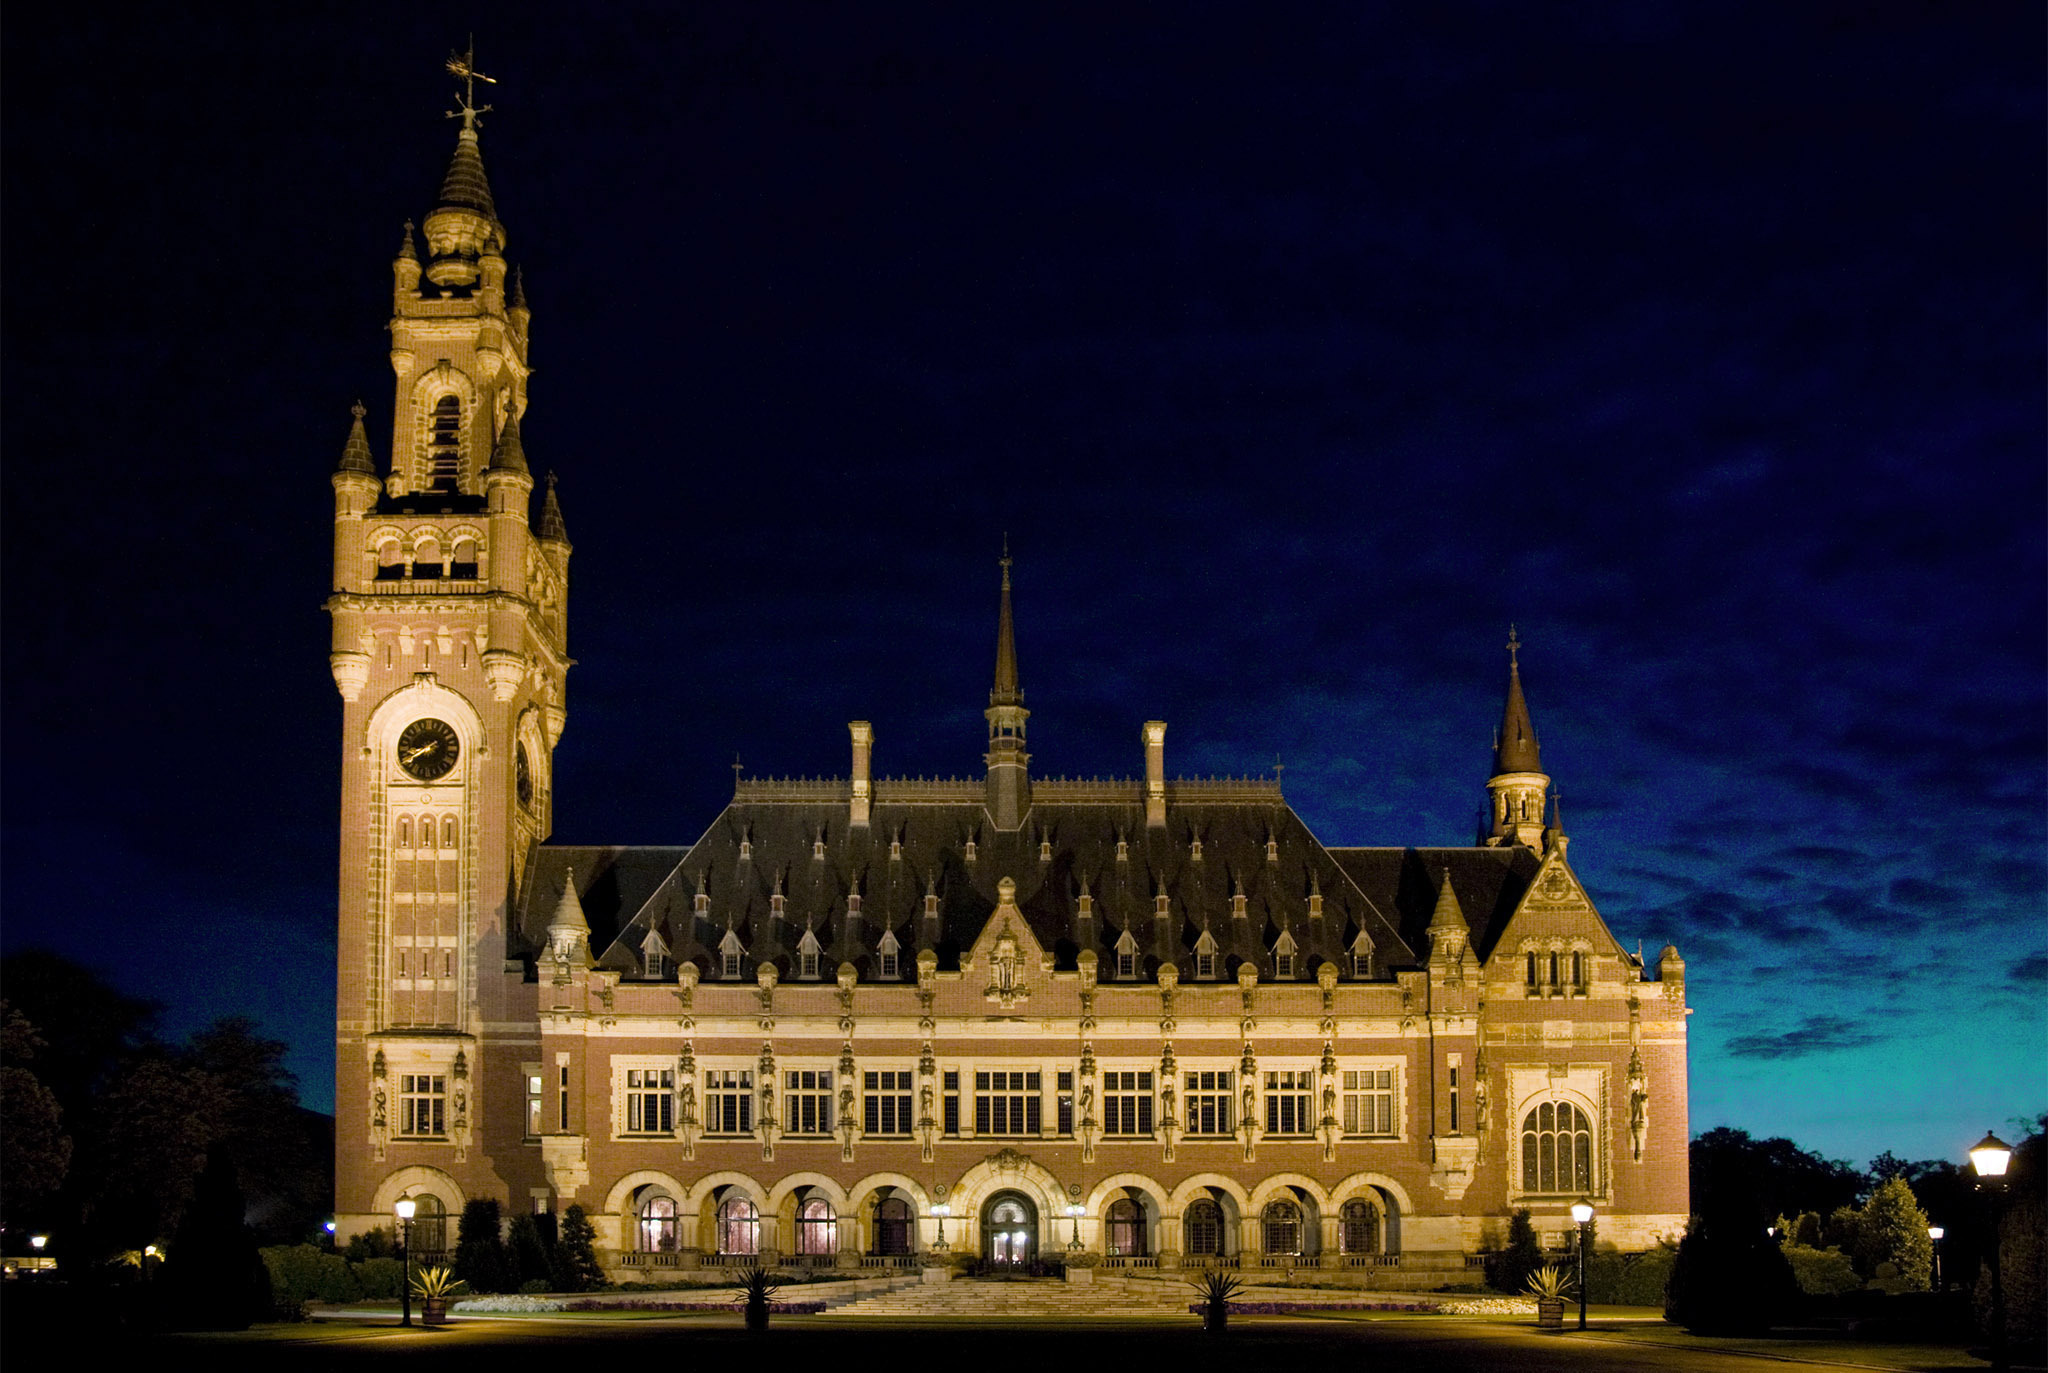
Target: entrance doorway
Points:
(1009, 1228)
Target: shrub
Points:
(1729, 1278)
(379, 1279)
(302, 1273)
(1629, 1279)
(1509, 1272)
(534, 1286)
(527, 1252)
(576, 1268)
(1821, 1272)
(370, 1244)
(1892, 1229)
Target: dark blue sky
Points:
(1299, 350)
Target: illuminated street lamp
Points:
(1989, 1157)
(1074, 1213)
(405, 1208)
(1934, 1234)
(941, 1211)
(1582, 1212)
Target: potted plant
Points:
(1216, 1288)
(757, 1285)
(435, 1287)
(1549, 1286)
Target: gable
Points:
(1555, 910)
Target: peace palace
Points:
(875, 1023)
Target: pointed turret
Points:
(464, 223)
(1449, 934)
(1009, 776)
(466, 187)
(511, 453)
(355, 455)
(1448, 915)
(568, 929)
(1518, 785)
(552, 530)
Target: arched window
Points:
(1557, 1149)
(429, 1227)
(739, 1226)
(892, 1225)
(426, 831)
(447, 831)
(390, 561)
(1204, 1225)
(817, 1227)
(1282, 1225)
(658, 1224)
(1126, 1228)
(462, 560)
(405, 831)
(426, 557)
(444, 444)
(1360, 1227)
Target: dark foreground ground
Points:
(1298, 1345)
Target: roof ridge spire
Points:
(1448, 913)
(551, 527)
(510, 454)
(1005, 692)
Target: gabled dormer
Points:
(808, 952)
(732, 957)
(1126, 957)
(888, 957)
(1285, 958)
(1208, 959)
(655, 962)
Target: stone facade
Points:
(863, 1021)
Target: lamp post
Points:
(405, 1208)
(941, 1211)
(1582, 1212)
(37, 1243)
(149, 1251)
(1989, 1158)
(1074, 1214)
(1934, 1234)
(330, 1234)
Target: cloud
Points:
(1817, 1034)
(1921, 894)
(2031, 971)
(1820, 856)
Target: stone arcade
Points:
(867, 1020)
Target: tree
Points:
(526, 1251)
(576, 1266)
(1893, 1229)
(480, 1258)
(35, 1153)
(1730, 1278)
(1764, 1178)
(1523, 1255)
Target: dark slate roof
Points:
(612, 883)
(657, 888)
(1488, 882)
(466, 187)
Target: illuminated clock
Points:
(522, 776)
(428, 749)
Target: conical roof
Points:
(466, 187)
(407, 249)
(355, 455)
(1515, 749)
(568, 916)
(551, 527)
(511, 454)
(1448, 915)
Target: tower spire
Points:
(1009, 778)
(1518, 784)
(355, 455)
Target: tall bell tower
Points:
(450, 653)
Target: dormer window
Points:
(1272, 849)
(1284, 951)
(818, 847)
(1205, 956)
(889, 951)
(732, 967)
(1123, 849)
(807, 955)
(654, 956)
(729, 955)
(1361, 956)
(1126, 956)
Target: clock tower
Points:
(449, 650)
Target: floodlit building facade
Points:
(864, 1021)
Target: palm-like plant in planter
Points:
(1216, 1288)
(757, 1285)
(1549, 1285)
(435, 1287)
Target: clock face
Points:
(428, 748)
(522, 771)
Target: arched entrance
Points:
(1009, 1228)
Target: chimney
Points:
(1155, 773)
(863, 787)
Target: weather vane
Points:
(1514, 645)
(463, 67)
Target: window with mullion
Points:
(729, 1101)
(1006, 1103)
(1369, 1101)
(886, 1109)
(650, 1101)
(422, 1104)
(1289, 1100)
(1127, 1103)
(1208, 1102)
(807, 1105)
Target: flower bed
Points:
(1481, 1306)
(507, 1305)
(533, 1305)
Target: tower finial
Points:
(1006, 692)
(1515, 750)
(462, 66)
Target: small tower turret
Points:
(1009, 774)
(1518, 786)
(405, 268)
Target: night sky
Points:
(1299, 351)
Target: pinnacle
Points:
(519, 288)
(1005, 693)
(569, 911)
(511, 454)
(1448, 913)
(355, 456)
(407, 250)
(552, 529)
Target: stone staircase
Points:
(1028, 1299)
